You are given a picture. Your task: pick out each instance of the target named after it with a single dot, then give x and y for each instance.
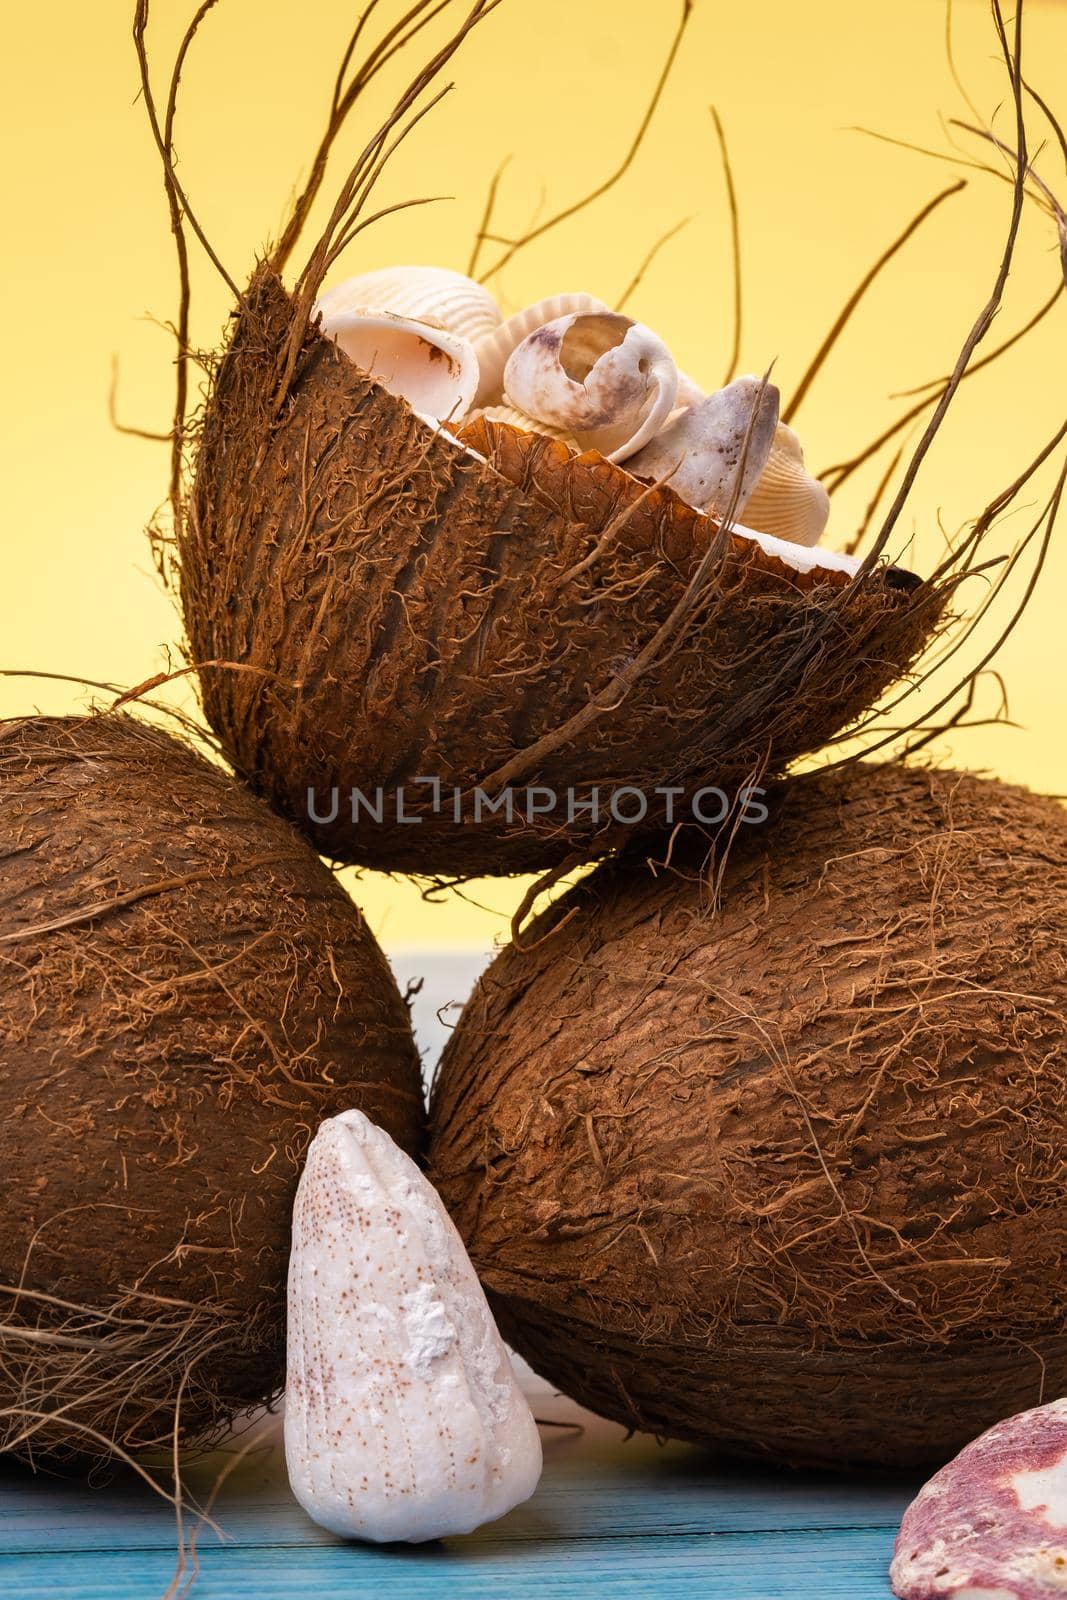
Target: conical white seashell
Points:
(433, 370)
(403, 1419)
(430, 294)
(600, 375)
(493, 349)
(701, 454)
(519, 419)
(787, 501)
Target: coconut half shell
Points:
(185, 993)
(417, 609)
(785, 1177)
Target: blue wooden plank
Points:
(594, 1486)
(787, 1566)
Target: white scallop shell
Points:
(430, 294)
(514, 418)
(600, 375)
(493, 349)
(787, 501)
(700, 454)
(433, 370)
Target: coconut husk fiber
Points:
(782, 1170)
(517, 616)
(185, 993)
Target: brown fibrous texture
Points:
(185, 993)
(773, 1158)
(521, 616)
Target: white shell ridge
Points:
(599, 375)
(403, 1419)
(433, 370)
(703, 455)
(430, 294)
(787, 501)
(493, 349)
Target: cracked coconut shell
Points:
(785, 1177)
(185, 994)
(488, 613)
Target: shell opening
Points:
(433, 370)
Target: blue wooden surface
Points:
(612, 1516)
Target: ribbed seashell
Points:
(700, 454)
(493, 349)
(430, 294)
(514, 418)
(787, 501)
(607, 379)
(433, 370)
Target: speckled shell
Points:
(493, 349)
(403, 1419)
(404, 354)
(787, 501)
(608, 379)
(993, 1523)
(431, 294)
(700, 453)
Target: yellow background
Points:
(88, 272)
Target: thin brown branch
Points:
(620, 171)
(735, 243)
(857, 295)
(122, 427)
(180, 213)
(358, 185)
(650, 256)
(483, 234)
(984, 320)
(418, 17)
(1020, 333)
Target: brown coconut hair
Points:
(185, 993)
(773, 1160)
(515, 616)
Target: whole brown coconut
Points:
(786, 1177)
(516, 617)
(185, 992)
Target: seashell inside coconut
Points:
(780, 1171)
(493, 349)
(417, 611)
(430, 294)
(714, 452)
(599, 375)
(435, 371)
(786, 500)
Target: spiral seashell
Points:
(605, 378)
(433, 370)
(700, 454)
(430, 294)
(493, 349)
(787, 501)
(514, 418)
